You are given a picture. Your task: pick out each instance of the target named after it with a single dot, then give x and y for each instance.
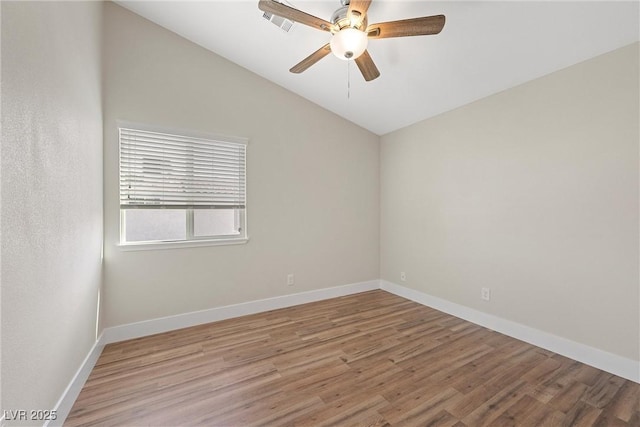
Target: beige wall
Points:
(51, 196)
(532, 192)
(313, 194)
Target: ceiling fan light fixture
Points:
(349, 43)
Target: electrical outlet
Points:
(403, 276)
(290, 279)
(485, 294)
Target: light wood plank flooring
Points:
(372, 359)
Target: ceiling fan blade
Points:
(358, 10)
(423, 26)
(311, 59)
(293, 14)
(367, 67)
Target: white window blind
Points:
(160, 170)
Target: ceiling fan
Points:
(350, 32)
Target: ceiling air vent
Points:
(281, 22)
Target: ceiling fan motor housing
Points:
(340, 20)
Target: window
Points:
(178, 188)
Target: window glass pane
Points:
(155, 224)
(215, 222)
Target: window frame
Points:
(190, 239)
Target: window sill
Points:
(151, 246)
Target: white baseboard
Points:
(612, 363)
(170, 323)
(70, 394)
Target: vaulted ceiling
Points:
(484, 48)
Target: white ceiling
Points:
(484, 48)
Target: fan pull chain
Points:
(348, 79)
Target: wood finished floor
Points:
(371, 359)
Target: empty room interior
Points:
(235, 213)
